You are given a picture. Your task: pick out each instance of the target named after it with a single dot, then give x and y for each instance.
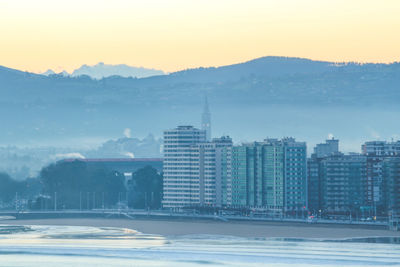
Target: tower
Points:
(206, 120)
(181, 166)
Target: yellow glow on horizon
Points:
(177, 34)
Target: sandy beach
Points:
(209, 227)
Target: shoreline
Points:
(245, 229)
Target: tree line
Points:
(75, 185)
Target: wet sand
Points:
(250, 229)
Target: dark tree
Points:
(8, 188)
(77, 186)
(146, 188)
(31, 187)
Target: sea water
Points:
(105, 246)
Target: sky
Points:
(173, 35)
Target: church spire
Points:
(206, 119)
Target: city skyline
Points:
(187, 133)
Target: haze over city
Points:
(190, 133)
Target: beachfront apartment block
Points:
(391, 185)
(271, 174)
(377, 152)
(181, 186)
(195, 170)
(338, 183)
(342, 184)
(275, 175)
(314, 174)
(357, 185)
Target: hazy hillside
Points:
(271, 79)
(266, 96)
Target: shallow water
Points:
(93, 246)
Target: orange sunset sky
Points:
(177, 34)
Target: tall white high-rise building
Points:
(180, 188)
(206, 120)
(194, 169)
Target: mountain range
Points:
(102, 70)
(269, 96)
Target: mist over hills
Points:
(272, 79)
(23, 162)
(128, 147)
(270, 96)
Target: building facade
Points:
(342, 177)
(270, 175)
(391, 185)
(314, 192)
(377, 152)
(330, 147)
(181, 188)
(355, 184)
(321, 151)
(196, 171)
(381, 148)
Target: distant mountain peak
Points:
(48, 72)
(64, 73)
(102, 70)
